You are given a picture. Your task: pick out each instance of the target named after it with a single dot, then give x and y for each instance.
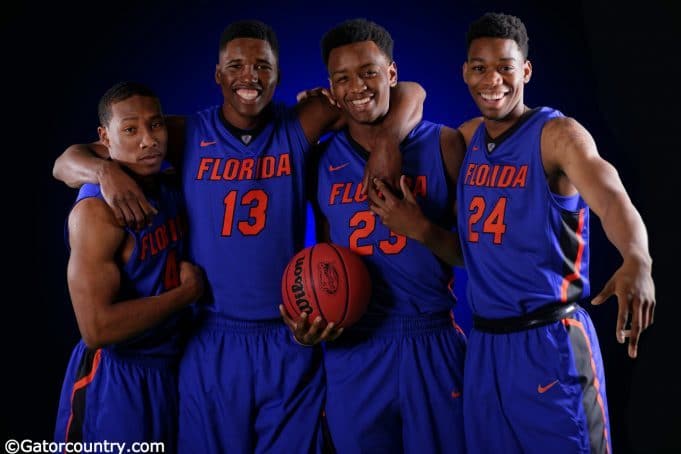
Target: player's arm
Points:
(404, 216)
(94, 279)
(568, 149)
(90, 163)
(318, 115)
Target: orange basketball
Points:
(326, 280)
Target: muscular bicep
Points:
(318, 116)
(93, 274)
(452, 148)
(572, 163)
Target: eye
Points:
(263, 67)
(477, 68)
(340, 80)
(129, 130)
(507, 69)
(157, 125)
(234, 66)
(370, 73)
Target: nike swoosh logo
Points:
(542, 389)
(205, 143)
(333, 169)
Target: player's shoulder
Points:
(468, 128)
(562, 126)
(92, 212)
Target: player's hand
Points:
(384, 163)
(401, 215)
(191, 278)
(633, 285)
(125, 197)
(309, 334)
(319, 91)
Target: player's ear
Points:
(103, 135)
(527, 71)
(392, 73)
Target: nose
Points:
(492, 78)
(148, 139)
(248, 73)
(357, 84)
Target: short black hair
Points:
(354, 31)
(250, 29)
(499, 25)
(120, 92)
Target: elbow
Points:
(93, 334)
(92, 343)
(59, 174)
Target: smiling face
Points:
(136, 135)
(496, 73)
(361, 76)
(247, 73)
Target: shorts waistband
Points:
(140, 359)
(398, 325)
(218, 321)
(542, 316)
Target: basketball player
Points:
(534, 374)
(245, 385)
(129, 288)
(394, 380)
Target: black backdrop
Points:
(615, 70)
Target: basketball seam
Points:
(313, 286)
(287, 302)
(347, 283)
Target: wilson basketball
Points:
(326, 280)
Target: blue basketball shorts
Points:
(247, 387)
(396, 385)
(115, 398)
(537, 391)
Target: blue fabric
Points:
(537, 391)
(247, 387)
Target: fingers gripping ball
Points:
(326, 280)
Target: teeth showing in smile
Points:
(492, 96)
(248, 95)
(361, 102)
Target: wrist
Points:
(104, 169)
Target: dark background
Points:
(615, 70)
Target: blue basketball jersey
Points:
(153, 268)
(246, 206)
(407, 278)
(524, 247)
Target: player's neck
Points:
(497, 126)
(364, 134)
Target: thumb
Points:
(365, 182)
(408, 195)
(606, 293)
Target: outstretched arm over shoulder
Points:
(90, 163)
(94, 279)
(569, 150)
(318, 116)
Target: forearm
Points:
(123, 320)
(406, 111)
(441, 242)
(79, 164)
(625, 229)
